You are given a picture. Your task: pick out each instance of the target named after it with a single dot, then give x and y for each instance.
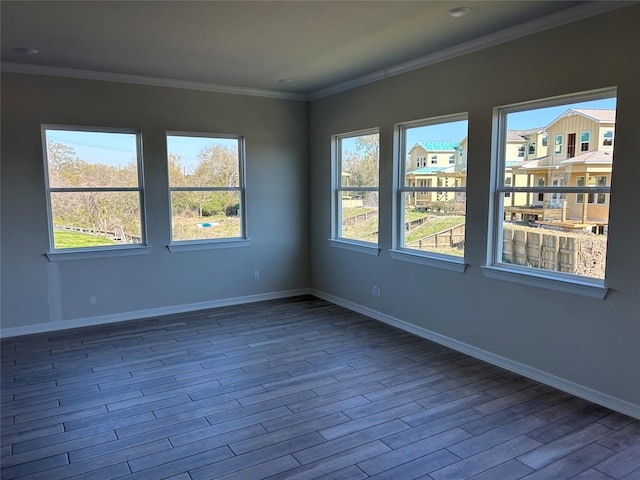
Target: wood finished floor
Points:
(288, 389)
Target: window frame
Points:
(78, 253)
(337, 240)
(211, 243)
(495, 268)
(557, 144)
(585, 142)
(398, 251)
(605, 139)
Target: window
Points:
(544, 140)
(571, 145)
(607, 138)
(421, 162)
(540, 184)
(206, 185)
(601, 198)
(532, 149)
(452, 159)
(521, 150)
(94, 188)
(557, 144)
(561, 240)
(431, 216)
(580, 182)
(584, 141)
(356, 158)
(434, 159)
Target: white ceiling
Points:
(321, 46)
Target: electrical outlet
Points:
(256, 275)
(375, 291)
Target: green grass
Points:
(64, 239)
(433, 225)
(185, 227)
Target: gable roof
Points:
(437, 146)
(424, 170)
(603, 115)
(522, 135)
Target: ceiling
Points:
(283, 48)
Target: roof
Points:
(601, 115)
(597, 115)
(521, 135)
(590, 158)
(438, 146)
(424, 170)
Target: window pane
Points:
(359, 161)
(205, 215)
(360, 216)
(558, 230)
(91, 159)
(86, 219)
(203, 161)
(578, 247)
(435, 222)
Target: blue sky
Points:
(119, 149)
(544, 116)
(115, 149)
(189, 147)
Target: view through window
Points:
(206, 187)
(554, 204)
(357, 158)
(94, 188)
(433, 197)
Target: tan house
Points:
(580, 153)
(435, 164)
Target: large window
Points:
(206, 184)
(432, 200)
(94, 188)
(555, 221)
(356, 159)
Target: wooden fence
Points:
(450, 237)
(361, 217)
(549, 251)
(118, 235)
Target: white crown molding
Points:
(145, 80)
(150, 312)
(563, 17)
(582, 391)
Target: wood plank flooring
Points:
(288, 389)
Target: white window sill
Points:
(208, 245)
(446, 262)
(592, 289)
(355, 246)
(88, 254)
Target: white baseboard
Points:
(151, 312)
(614, 403)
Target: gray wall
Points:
(593, 343)
(36, 291)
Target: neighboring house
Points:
(434, 164)
(433, 154)
(580, 153)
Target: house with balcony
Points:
(580, 154)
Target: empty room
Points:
(320, 240)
